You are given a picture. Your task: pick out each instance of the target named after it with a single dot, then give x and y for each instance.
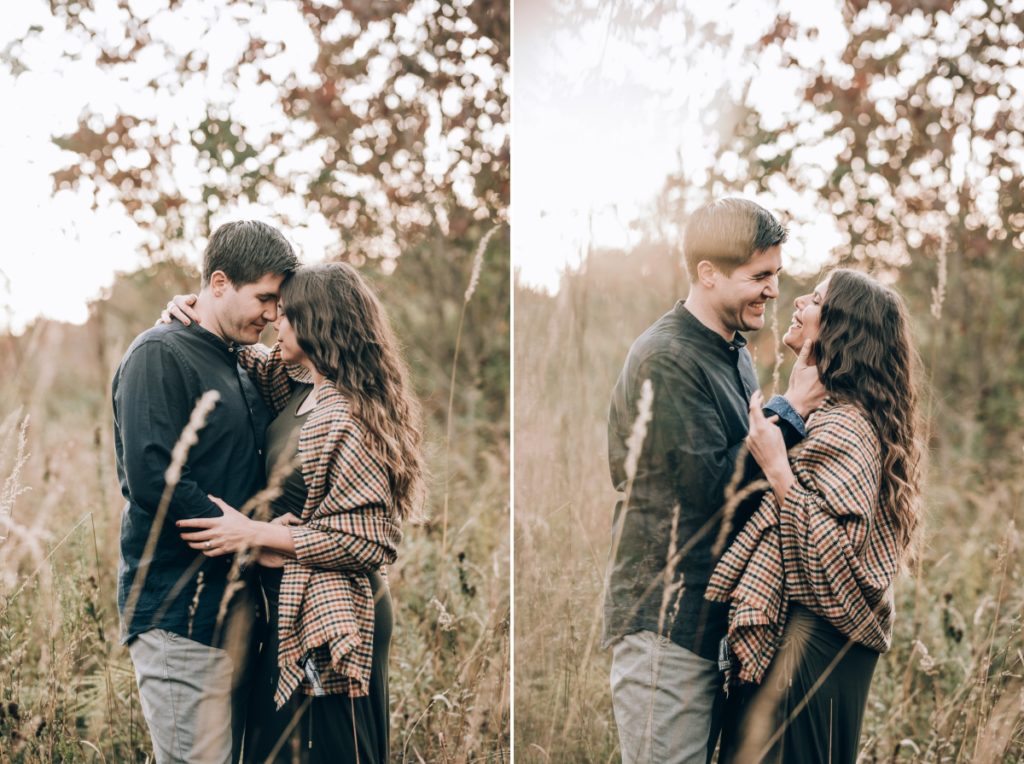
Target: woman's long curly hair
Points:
(865, 355)
(344, 331)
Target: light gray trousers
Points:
(185, 690)
(662, 696)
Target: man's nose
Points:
(771, 290)
(270, 312)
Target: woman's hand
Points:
(180, 307)
(768, 447)
(216, 536)
(269, 558)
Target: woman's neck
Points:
(318, 378)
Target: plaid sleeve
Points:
(268, 372)
(353, 528)
(844, 554)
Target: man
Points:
(664, 673)
(170, 597)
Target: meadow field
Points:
(951, 689)
(67, 686)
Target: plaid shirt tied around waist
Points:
(326, 605)
(828, 547)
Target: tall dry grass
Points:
(67, 687)
(950, 689)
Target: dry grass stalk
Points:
(638, 433)
(939, 290)
(474, 278)
(12, 487)
(777, 344)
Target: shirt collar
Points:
(228, 349)
(693, 327)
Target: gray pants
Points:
(185, 690)
(662, 695)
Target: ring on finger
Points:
(209, 544)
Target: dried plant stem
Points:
(1003, 563)
(478, 259)
(42, 565)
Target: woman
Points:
(809, 577)
(344, 454)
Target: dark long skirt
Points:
(818, 682)
(331, 728)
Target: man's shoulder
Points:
(156, 338)
(664, 340)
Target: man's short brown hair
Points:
(727, 232)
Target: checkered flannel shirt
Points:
(828, 547)
(326, 605)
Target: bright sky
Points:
(59, 252)
(601, 118)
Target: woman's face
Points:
(290, 350)
(806, 318)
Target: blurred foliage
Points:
(397, 134)
(914, 144)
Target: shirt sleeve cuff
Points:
(779, 405)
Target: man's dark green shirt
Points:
(701, 386)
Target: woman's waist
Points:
(814, 622)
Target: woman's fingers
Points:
(176, 312)
(203, 536)
(184, 303)
(197, 522)
(225, 507)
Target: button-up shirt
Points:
(161, 377)
(670, 515)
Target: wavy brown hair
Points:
(344, 331)
(866, 356)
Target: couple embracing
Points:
(264, 634)
(756, 543)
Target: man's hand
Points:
(805, 392)
(180, 307)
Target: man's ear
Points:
(219, 283)
(707, 274)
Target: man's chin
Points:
(753, 323)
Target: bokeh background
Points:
(376, 133)
(890, 137)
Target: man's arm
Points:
(152, 405)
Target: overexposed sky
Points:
(60, 252)
(602, 117)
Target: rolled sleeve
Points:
(352, 528)
(358, 541)
(787, 414)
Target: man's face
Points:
(739, 299)
(243, 312)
